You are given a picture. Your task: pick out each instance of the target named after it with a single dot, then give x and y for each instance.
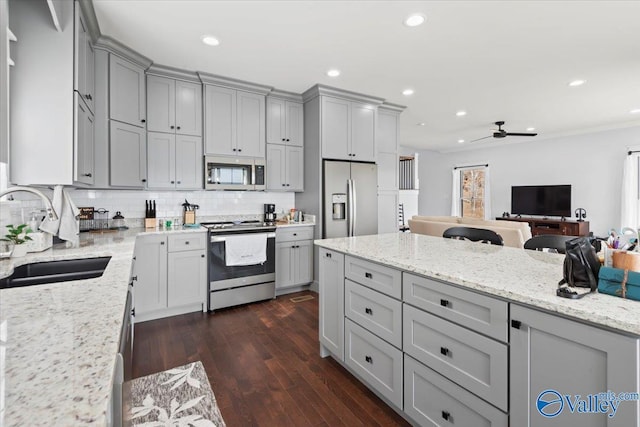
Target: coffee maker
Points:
(269, 213)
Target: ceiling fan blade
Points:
(480, 139)
(520, 134)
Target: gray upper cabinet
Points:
(570, 358)
(348, 130)
(285, 168)
(84, 144)
(127, 92)
(174, 106)
(174, 161)
(387, 131)
(235, 122)
(84, 61)
(285, 122)
(127, 155)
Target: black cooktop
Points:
(219, 226)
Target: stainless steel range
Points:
(242, 262)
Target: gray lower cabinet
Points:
(127, 155)
(331, 294)
(569, 358)
(432, 400)
(170, 274)
(471, 360)
(375, 276)
(294, 263)
(174, 161)
(285, 168)
(377, 362)
(127, 92)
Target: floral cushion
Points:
(180, 396)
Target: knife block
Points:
(189, 217)
(150, 223)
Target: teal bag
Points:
(610, 282)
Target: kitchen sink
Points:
(39, 273)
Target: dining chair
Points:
(473, 234)
(554, 242)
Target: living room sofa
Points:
(513, 233)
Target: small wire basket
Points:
(101, 219)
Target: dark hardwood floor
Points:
(264, 366)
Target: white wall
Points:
(591, 164)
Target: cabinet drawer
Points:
(288, 234)
(187, 242)
(475, 311)
(374, 311)
(432, 400)
(471, 360)
(382, 279)
(378, 363)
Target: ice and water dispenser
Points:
(339, 202)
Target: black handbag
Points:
(580, 269)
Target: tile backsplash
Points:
(169, 203)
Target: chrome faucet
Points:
(51, 213)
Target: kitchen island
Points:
(58, 341)
(444, 329)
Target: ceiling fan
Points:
(501, 133)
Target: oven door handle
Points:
(215, 239)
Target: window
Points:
(470, 195)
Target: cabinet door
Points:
(150, 288)
(552, 353)
(188, 162)
(186, 278)
(251, 125)
(331, 293)
(294, 124)
(388, 171)
(84, 144)
(284, 264)
(276, 122)
(188, 108)
(161, 104)
(90, 67)
(84, 57)
(295, 169)
(336, 129)
(363, 124)
(126, 92)
(387, 212)
(303, 262)
(161, 170)
(219, 120)
(128, 155)
(276, 167)
(387, 132)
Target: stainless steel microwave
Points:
(234, 173)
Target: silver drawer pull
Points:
(368, 275)
(368, 359)
(445, 303)
(368, 311)
(445, 351)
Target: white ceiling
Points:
(497, 60)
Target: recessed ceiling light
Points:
(415, 20)
(333, 73)
(461, 113)
(210, 40)
(460, 141)
(407, 92)
(530, 129)
(577, 83)
(422, 124)
(635, 111)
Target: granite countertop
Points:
(58, 341)
(520, 276)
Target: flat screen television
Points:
(544, 200)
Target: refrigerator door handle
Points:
(349, 208)
(354, 195)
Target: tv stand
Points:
(562, 226)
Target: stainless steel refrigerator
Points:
(350, 199)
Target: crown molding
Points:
(323, 90)
(173, 72)
(213, 79)
(388, 106)
(288, 96)
(89, 13)
(114, 46)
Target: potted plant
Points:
(18, 236)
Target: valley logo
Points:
(550, 403)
